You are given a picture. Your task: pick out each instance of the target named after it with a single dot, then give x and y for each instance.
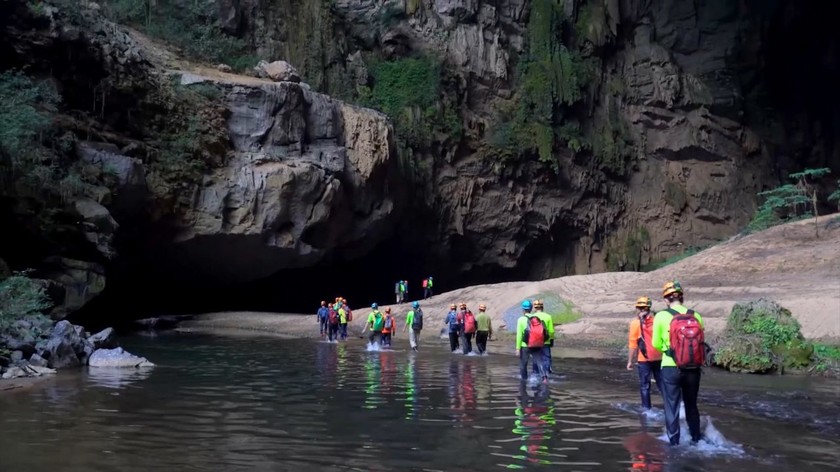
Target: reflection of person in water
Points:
(373, 376)
(534, 423)
(411, 389)
(646, 451)
(462, 394)
(386, 361)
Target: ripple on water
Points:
(264, 404)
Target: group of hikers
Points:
(401, 289)
(668, 346)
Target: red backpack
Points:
(535, 334)
(348, 314)
(333, 317)
(469, 323)
(687, 340)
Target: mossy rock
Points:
(762, 336)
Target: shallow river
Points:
(266, 404)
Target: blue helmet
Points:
(526, 305)
(374, 306)
(415, 305)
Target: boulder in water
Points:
(38, 361)
(117, 357)
(762, 336)
(104, 339)
(60, 353)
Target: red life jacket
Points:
(687, 340)
(333, 317)
(425, 283)
(348, 314)
(536, 333)
(469, 323)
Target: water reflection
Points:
(117, 378)
(243, 405)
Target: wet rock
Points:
(72, 283)
(61, 354)
(158, 322)
(105, 339)
(98, 224)
(16, 357)
(117, 357)
(278, 71)
(38, 361)
(762, 336)
(14, 372)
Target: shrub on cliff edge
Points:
(21, 298)
(762, 336)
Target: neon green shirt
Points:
(342, 315)
(661, 337)
(376, 321)
(483, 322)
(521, 326)
(409, 318)
(549, 324)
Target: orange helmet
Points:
(482, 307)
(671, 288)
(452, 306)
(388, 310)
(323, 303)
(538, 304)
(643, 302)
(462, 306)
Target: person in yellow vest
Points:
(683, 354)
(641, 350)
(485, 329)
(549, 324)
(375, 323)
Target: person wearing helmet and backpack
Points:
(375, 323)
(531, 336)
(414, 319)
(641, 350)
(470, 327)
(453, 321)
(485, 329)
(322, 317)
(388, 327)
(678, 334)
(549, 324)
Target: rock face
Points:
(683, 81)
(278, 71)
(308, 175)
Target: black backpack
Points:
(418, 319)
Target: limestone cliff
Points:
(677, 125)
(191, 174)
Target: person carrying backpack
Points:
(333, 323)
(531, 336)
(414, 319)
(678, 333)
(388, 328)
(375, 323)
(485, 329)
(470, 327)
(427, 287)
(322, 317)
(452, 320)
(549, 324)
(344, 317)
(639, 342)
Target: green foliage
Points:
(762, 336)
(566, 314)
(688, 252)
(627, 255)
(192, 26)
(550, 79)
(25, 107)
(408, 90)
(826, 359)
(788, 202)
(835, 196)
(20, 297)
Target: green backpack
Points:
(378, 321)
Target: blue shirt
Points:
(452, 321)
(323, 313)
